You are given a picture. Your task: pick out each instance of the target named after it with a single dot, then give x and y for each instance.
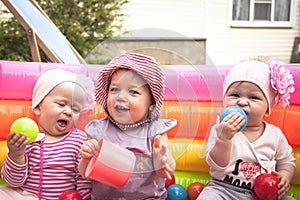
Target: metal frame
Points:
(35, 41)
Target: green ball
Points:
(25, 126)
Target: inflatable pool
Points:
(193, 97)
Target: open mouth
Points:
(119, 108)
(62, 123)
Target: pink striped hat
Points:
(146, 66)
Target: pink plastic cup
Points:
(113, 166)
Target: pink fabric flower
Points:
(89, 87)
(282, 82)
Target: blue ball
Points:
(176, 192)
(235, 109)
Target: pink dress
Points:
(144, 183)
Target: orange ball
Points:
(194, 190)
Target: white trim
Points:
(293, 13)
(263, 24)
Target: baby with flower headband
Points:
(46, 168)
(237, 157)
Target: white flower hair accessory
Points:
(89, 87)
(282, 82)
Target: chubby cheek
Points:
(227, 102)
(139, 112)
(109, 104)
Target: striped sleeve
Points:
(13, 174)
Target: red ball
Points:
(169, 182)
(194, 190)
(70, 195)
(266, 186)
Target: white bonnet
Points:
(255, 72)
(53, 77)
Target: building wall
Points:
(230, 45)
(167, 51)
(184, 17)
(210, 19)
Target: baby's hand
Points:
(161, 165)
(284, 184)
(229, 125)
(16, 145)
(89, 149)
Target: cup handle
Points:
(137, 150)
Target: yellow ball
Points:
(25, 126)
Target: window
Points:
(262, 13)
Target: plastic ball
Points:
(266, 186)
(194, 190)
(25, 126)
(235, 109)
(176, 192)
(70, 195)
(169, 182)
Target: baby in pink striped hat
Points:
(131, 91)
